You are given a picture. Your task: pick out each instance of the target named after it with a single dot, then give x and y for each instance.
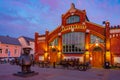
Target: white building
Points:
(26, 41)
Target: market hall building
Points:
(78, 38)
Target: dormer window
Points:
(73, 19)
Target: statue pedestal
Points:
(25, 62)
(26, 74)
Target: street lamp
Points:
(0, 48)
(96, 42)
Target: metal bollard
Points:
(54, 65)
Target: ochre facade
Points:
(77, 37)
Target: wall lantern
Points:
(87, 52)
(107, 52)
(91, 58)
(96, 44)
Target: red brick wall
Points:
(115, 45)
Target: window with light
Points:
(94, 39)
(54, 42)
(73, 42)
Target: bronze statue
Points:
(26, 60)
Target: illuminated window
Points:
(116, 34)
(110, 36)
(113, 35)
(73, 19)
(94, 38)
(73, 42)
(54, 42)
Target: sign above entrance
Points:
(69, 27)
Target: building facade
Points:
(79, 38)
(26, 41)
(9, 47)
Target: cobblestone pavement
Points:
(7, 71)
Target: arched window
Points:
(94, 39)
(73, 42)
(73, 19)
(54, 42)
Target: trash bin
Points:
(107, 65)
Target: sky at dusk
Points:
(25, 17)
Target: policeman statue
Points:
(26, 60)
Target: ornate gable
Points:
(74, 13)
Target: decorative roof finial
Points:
(72, 6)
(46, 29)
(72, 9)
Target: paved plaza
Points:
(7, 71)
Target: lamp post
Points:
(0, 47)
(8, 53)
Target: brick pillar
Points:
(87, 41)
(59, 46)
(46, 46)
(36, 47)
(107, 42)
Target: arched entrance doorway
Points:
(53, 55)
(97, 57)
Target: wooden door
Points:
(97, 58)
(53, 55)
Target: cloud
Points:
(30, 16)
(52, 4)
(101, 10)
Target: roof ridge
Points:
(9, 40)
